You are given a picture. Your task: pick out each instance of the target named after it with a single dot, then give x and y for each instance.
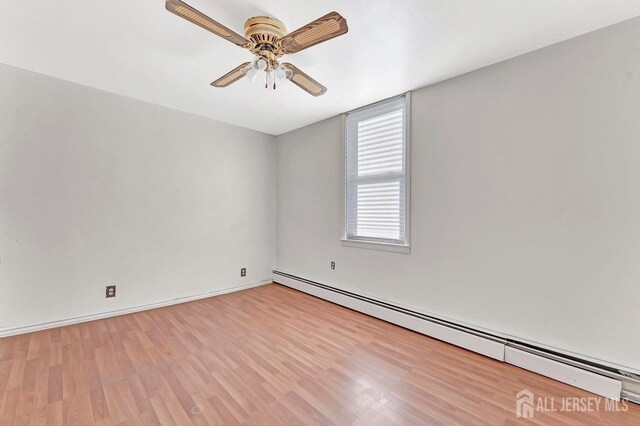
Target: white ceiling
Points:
(138, 49)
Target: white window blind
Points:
(376, 164)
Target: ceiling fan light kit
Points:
(267, 39)
(271, 74)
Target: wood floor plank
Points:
(269, 355)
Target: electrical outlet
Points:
(333, 265)
(243, 272)
(111, 291)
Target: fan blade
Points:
(187, 12)
(305, 82)
(231, 77)
(322, 29)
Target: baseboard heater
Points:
(598, 379)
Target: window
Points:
(376, 158)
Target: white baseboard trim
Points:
(490, 346)
(592, 382)
(92, 317)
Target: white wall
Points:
(525, 201)
(99, 189)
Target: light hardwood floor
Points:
(269, 355)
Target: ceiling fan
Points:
(268, 40)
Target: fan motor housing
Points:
(264, 30)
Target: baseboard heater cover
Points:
(606, 384)
(493, 348)
(592, 382)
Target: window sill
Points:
(371, 245)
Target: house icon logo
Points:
(524, 404)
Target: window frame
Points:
(373, 243)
